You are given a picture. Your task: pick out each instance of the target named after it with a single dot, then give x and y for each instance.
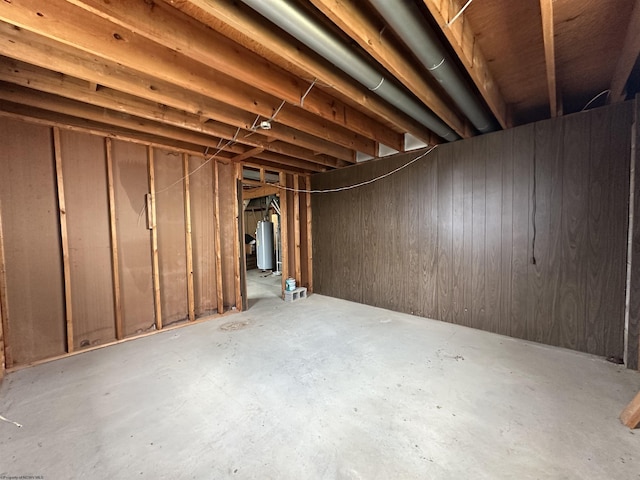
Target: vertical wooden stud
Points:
(236, 233)
(284, 234)
(187, 237)
(154, 240)
(115, 265)
(296, 229)
(66, 268)
(216, 213)
(309, 239)
(262, 176)
(5, 349)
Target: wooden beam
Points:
(463, 40)
(627, 56)
(546, 10)
(47, 81)
(155, 268)
(248, 154)
(93, 86)
(115, 264)
(348, 15)
(173, 29)
(187, 237)
(237, 179)
(296, 230)
(238, 17)
(630, 416)
(34, 98)
(218, 260)
(6, 358)
(82, 30)
(309, 235)
(66, 266)
(284, 234)
(160, 101)
(67, 122)
(259, 192)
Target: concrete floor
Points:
(320, 389)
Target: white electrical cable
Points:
(361, 184)
(307, 92)
(450, 22)
(19, 425)
(607, 91)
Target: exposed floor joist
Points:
(462, 39)
(546, 10)
(349, 17)
(241, 20)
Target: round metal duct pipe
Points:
(307, 30)
(409, 24)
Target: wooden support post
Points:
(630, 416)
(6, 360)
(309, 239)
(154, 240)
(115, 265)
(296, 230)
(216, 213)
(236, 233)
(66, 268)
(187, 237)
(284, 235)
(262, 175)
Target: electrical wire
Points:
(361, 184)
(450, 22)
(607, 91)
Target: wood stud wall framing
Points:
(114, 178)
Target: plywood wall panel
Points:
(427, 170)
(575, 184)
(134, 243)
(87, 204)
(523, 145)
(445, 238)
(171, 232)
(493, 234)
(227, 226)
(486, 206)
(203, 236)
(35, 295)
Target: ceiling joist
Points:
(463, 41)
(349, 17)
(546, 10)
(70, 25)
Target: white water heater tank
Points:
(264, 245)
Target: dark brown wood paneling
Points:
(478, 266)
(506, 160)
(87, 205)
(493, 233)
(482, 210)
(203, 236)
(546, 210)
(31, 230)
(428, 212)
(523, 149)
(458, 280)
(134, 248)
(445, 238)
(633, 328)
(571, 308)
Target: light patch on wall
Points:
(384, 151)
(362, 157)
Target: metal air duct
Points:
(307, 30)
(409, 24)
